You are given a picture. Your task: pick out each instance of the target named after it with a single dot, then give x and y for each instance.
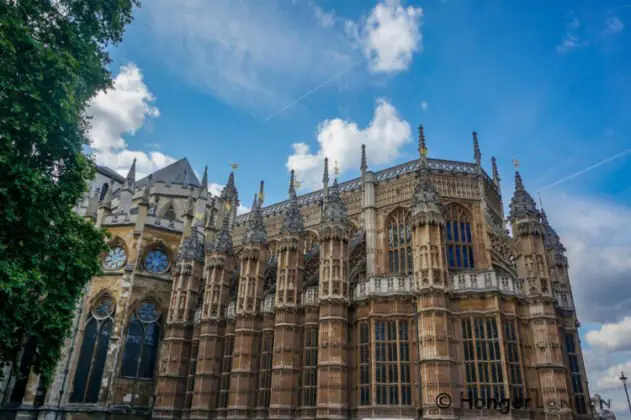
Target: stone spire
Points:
(230, 184)
(261, 193)
(292, 222)
(144, 199)
(477, 155)
(202, 191)
(223, 240)
(496, 174)
(522, 204)
(364, 165)
(130, 180)
(551, 238)
(255, 230)
(335, 209)
(425, 201)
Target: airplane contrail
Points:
(581, 172)
(313, 90)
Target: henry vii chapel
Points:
(366, 299)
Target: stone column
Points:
(176, 347)
(287, 346)
(210, 353)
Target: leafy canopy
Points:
(52, 62)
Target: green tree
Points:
(53, 60)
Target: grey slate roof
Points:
(110, 173)
(179, 172)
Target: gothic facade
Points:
(386, 296)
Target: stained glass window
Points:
(157, 261)
(483, 360)
(399, 247)
(91, 363)
(141, 342)
(458, 238)
(115, 258)
(392, 363)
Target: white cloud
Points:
(389, 36)
(424, 105)
(597, 236)
(215, 189)
(242, 209)
(123, 109)
(341, 141)
(613, 25)
(571, 40)
(612, 337)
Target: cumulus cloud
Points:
(613, 25)
(123, 110)
(612, 337)
(389, 36)
(215, 189)
(597, 236)
(341, 141)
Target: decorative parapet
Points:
(267, 304)
(174, 225)
(435, 165)
(231, 311)
(310, 297)
(485, 281)
(384, 286)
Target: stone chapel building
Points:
(385, 296)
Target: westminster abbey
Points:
(396, 295)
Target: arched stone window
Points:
(104, 189)
(272, 250)
(399, 242)
(168, 212)
(141, 343)
(96, 338)
(458, 237)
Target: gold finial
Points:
(516, 164)
(336, 169)
(228, 205)
(296, 184)
(424, 152)
(234, 166)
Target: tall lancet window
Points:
(364, 363)
(310, 367)
(96, 338)
(458, 237)
(575, 374)
(141, 343)
(265, 371)
(399, 242)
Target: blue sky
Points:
(547, 83)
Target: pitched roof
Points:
(179, 172)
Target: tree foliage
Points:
(53, 60)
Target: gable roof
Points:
(179, 172)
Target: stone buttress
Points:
(286, 362)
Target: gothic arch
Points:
(312, 268)
(458, 236)
(94, 345)
(269, 279)
(104, 189)
(143, 332)
(168, 211)
(398, 241)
